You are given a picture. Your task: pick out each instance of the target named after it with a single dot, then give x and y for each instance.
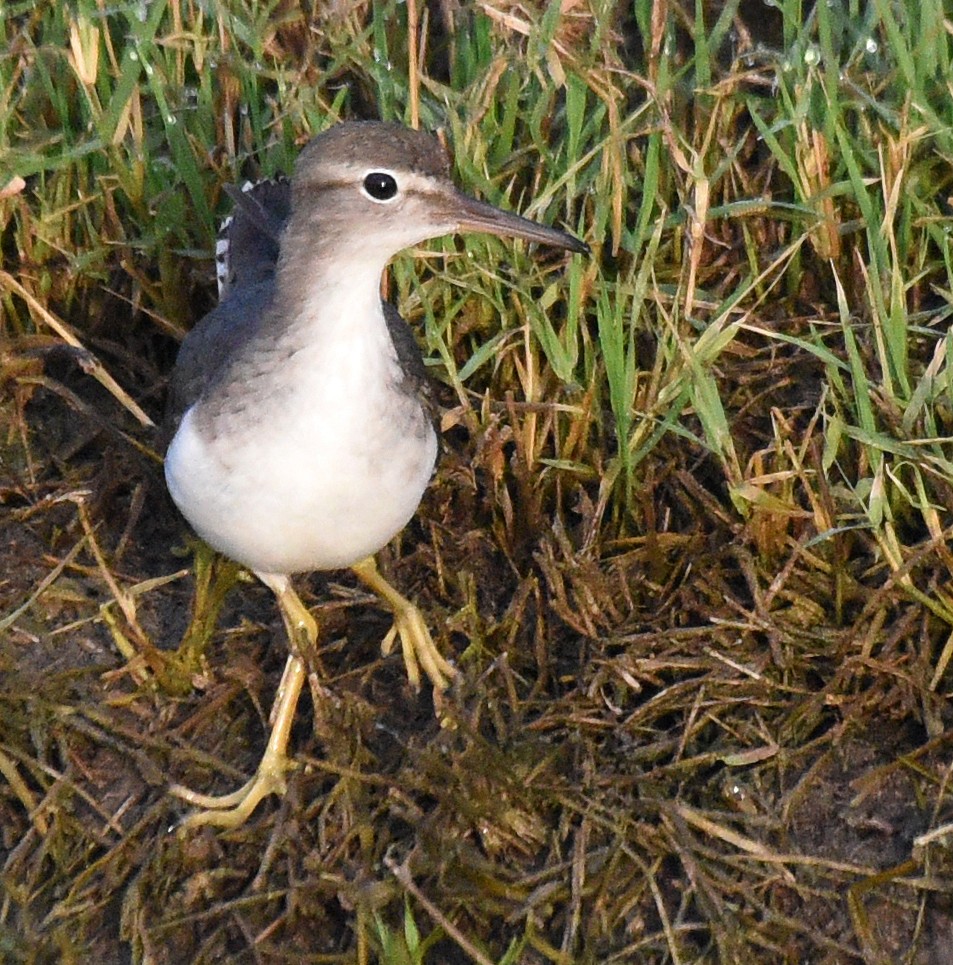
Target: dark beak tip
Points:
(573, 244)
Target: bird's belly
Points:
(309, 488)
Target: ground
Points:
(688, 541)
(627, 764)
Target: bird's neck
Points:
(327, 279)
(328, 303)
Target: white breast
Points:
(323, 470)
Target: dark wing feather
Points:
(212, 343)
(411, 360)
(250, 239)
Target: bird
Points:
(302, 417)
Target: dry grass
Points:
(689, 542)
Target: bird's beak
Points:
(473, 215)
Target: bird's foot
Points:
(417, 645)
(232, 810)
(418, 649)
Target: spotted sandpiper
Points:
(304, 436)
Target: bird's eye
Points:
(380, 186)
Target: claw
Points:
(417, 645)
(419, 651)
(232, 810)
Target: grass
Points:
(689, 541)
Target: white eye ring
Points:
(380, 186)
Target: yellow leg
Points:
(418, 647)
(232, 810)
